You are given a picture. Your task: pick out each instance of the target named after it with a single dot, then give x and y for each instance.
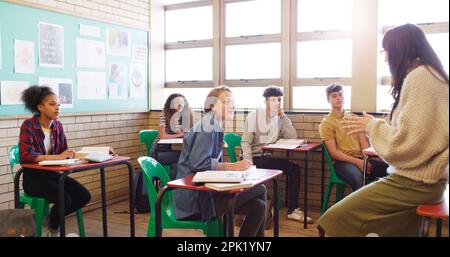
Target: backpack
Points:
(17, 223)
(141, 202)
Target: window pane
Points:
(315, 98)
(413, 11)
(257, 61)
(325, 58)
(316, 15)
(195, 96)
(253, 18)
(242, 99)
(189, 64)
(189, 24)
(440, 43)
(384, 98)
(167, 2)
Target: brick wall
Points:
(135, 13)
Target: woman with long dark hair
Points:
(414, 143)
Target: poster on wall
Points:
(63, 88)
(90, 54)
(118, 42)
(51, 45)
(90, 31)
(11, 91)
(138, 80)
(24, 57)
(140, 54)
(91, 85)
(118, 81)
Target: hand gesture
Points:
(356, 124)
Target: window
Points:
(324, 15)
(432, 16)
(252, 43)
(189, 43)
(315, 98)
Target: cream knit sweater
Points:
(415, 145)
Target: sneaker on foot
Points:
(298, 215)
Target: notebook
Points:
(218, 176)
(229, 186)
(287, 143)
(92, 149)
(59, 162)
(98, 157)
(171, 141)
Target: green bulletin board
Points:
(22, 24)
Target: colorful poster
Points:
(140, 53)
(24, 57)
(90, 31)
(118, 81)
(118, 42)
(91, 85)
(90, 54)
(63, 88)
(138, 80)
(51, 45)
(11, 91)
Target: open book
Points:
(103, 150)
(171, 141)
(287, 143)
(218, 176)
(229, 186)
(60, 162)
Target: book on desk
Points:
(287, 143)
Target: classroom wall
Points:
(119, 130)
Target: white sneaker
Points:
(372, 235)
(72, 235)
(298, 215)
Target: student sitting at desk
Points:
(263, 127)
(346, 150)
(202, 150)
(42, 138)
(175, 120)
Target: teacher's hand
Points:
(356, 124)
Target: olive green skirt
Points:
(386, 207)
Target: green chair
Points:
(233, 140)
(147, 137)
(38, 204)
(333, 180)
(153, 169)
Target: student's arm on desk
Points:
(163, 135)
(340, 156)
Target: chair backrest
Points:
(147, 137)
(329, 161)
(151, 169)
(14, 158)
(232, 141)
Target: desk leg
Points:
(17, 203)
(424, 227)
(438, 227)
(158, 228)
(132, 189)
(286, 192)
(305, 192)
(276, 216)
(366, 164)
(61, 212)
(230, 217)
(103, 191)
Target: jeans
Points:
(170, 158)
(353, 176)
(45, 184)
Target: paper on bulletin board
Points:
(90, 54)
(24, 57)
(90, 31)
(138, 80)
(118, 42)
(11, 91)
(63, 88)
(51, 45)
(91, 85)
(140, 54)
(118, 80)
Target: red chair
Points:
(435, 211)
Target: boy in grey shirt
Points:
(265, 126)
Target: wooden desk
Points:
(66, 170)
(306, 149)
(437, 211)
(186, 183)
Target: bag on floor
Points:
(142, 204)
(17, 223)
